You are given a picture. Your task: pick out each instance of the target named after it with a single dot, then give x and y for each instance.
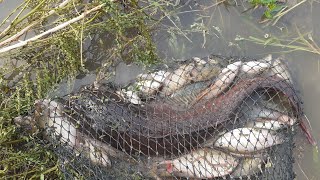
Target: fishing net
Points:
(204, 118)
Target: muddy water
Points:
(215, 30)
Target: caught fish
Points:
(158, 128)
(177, 79)
(164, 127)
(248, 167)
(94, 150)
(158, 76)
(253, 68)
(262, 115)
(264, 123)
(183, 98)
(248, 140)
(130, 96)
(204, 69)
(279, 69)
(234, 67)
(224, 79)
(148, 87)
(49, 115)
(201, 163)
(267, 58)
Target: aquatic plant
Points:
(300, 42)
(272, 7)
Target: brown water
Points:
(222, 26)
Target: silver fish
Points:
(130, 96)
(201, 163)
(279, 69)
(95, 150)
(223, 80)
(177, 79)
(183, 98)
(148, 87)
(263, 123)
(204, 69)
(49, 116)
(266, 115)
(253, 68)
(158, 76)
(248, 166)
(196, 71)
(248, 140)
(267, 58)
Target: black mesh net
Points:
(204, 118)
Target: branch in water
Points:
(59, 27)
(24, 30)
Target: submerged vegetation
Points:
(47, 42)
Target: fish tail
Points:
(306, 131)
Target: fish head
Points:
(263, 66)
(213, 61)
(253, 68)
(267, 58)
(158, 76)
(198, 61)
(279, 69)
(165, 168)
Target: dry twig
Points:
(59, 27)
